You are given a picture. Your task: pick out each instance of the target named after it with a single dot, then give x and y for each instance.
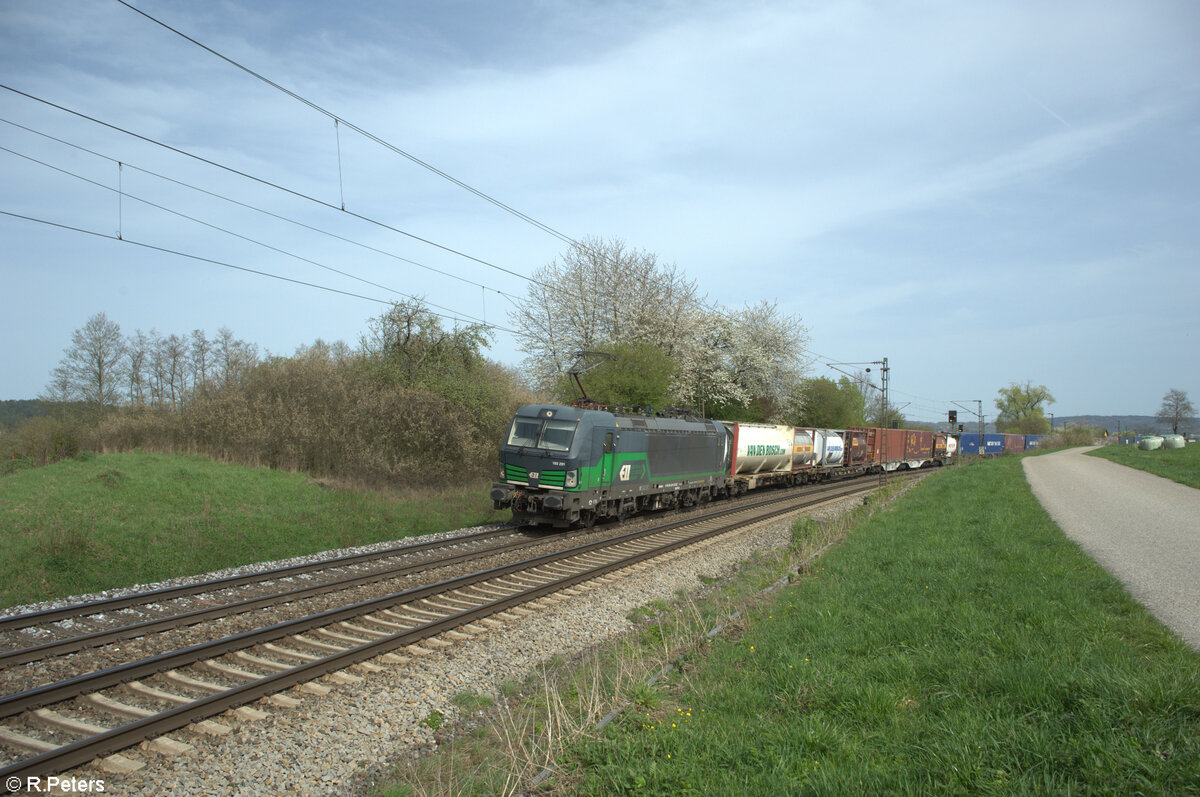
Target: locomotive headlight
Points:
(572, 478)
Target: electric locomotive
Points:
(565, 466)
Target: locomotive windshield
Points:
(551, 435)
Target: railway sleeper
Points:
(289, 652)
(226, 669)
(343, 678)
(23, 741)
(353, 640)
(157, 694)
(194, 683)
(107, 704)
(166, 746)
(269, 664)
(357, 629)
(319, 645)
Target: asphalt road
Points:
(1143, 529)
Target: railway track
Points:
(57, 726)
(79, 626)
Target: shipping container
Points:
(1014, 443)
(993, 444)
(918, 447)
(1033, 441)
(830, 447)
(886, 448)
(857, 451)
(968, 444)
(761, 448)
(940, 452)
(804, 453)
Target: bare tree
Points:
(175, 365)
(201, 354)
(137, 351)
(91, 368)
(233, 357)
(1176, 409)
(157, 369)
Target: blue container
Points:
(993, 444)
(1033, 440)
(968, 444)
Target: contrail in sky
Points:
(1045, 107)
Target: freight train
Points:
(998, 443)
(571, 466)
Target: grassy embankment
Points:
(104, 521)
(955, 643)
(1178, 464)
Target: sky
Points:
(983, 193)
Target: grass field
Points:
(955, 643)
(104, 521)
(1179, 464)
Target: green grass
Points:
(104, 521)
(956, 643)
(1178, 464)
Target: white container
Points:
(763, 448)
(1150, 442)
(804, 452)
(830, 448)
(1173, 441)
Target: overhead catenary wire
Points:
(310, 198)
(257, 209)
(223, 264)
(123, 195)
(343, 122)
(300, 194)
(276, 186)
(262, 181)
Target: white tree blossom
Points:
(596, 294)
(736, 357)
(601, 294)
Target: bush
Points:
(1072, 437)
(347, 418)
(158, 429)
(415, 406)
(43, 440)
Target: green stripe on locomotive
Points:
(592, 457)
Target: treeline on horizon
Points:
(412, 405)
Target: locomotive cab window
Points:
(550, 435)
(557, 435)
(525, 432)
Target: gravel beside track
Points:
(1142, 528)
(338, 743)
